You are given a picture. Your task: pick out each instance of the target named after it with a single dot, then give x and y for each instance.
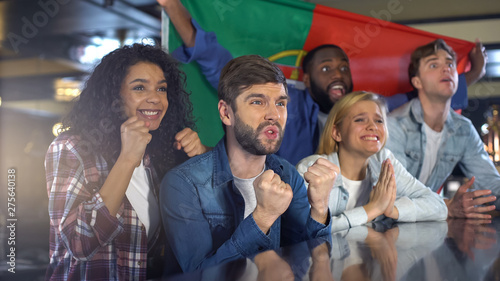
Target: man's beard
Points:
(248, 138)
(321, 97)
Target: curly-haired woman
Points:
(130, 125)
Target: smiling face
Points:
(362, 132)
(259, 118)
(329, 77)
(437, 76)
(144, 94)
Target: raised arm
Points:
(199, 46)
(478, 59)
(189, 141)
(299, 222)
(85, 210)
(198, 238)
(181, 19)
(341, 219)
(135, 137)
(320, 177)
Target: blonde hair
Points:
(339, 111)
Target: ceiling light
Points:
(56, 129)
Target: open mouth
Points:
(447, 80)
(150, 113)
(370, 138)
(271, 132)
(336, 90)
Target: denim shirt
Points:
(415, 201)
(460, 145)
(302, 132)
(202, 212)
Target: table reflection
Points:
(456, 249)
(384, 252)
(470, 251)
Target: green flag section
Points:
(379, 50)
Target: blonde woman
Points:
(372, 183)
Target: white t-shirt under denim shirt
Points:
(245, 186)
(433, 142)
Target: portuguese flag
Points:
(284, 30)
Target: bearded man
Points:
(240, 199)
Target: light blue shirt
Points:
(415, 201)
(460, 145)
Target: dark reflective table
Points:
(456, 249)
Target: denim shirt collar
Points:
(415, 108)
(222, 171)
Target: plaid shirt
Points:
(86, 242)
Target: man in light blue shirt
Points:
(430, 139)
(240, 199)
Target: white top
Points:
(143, 201)
(322, 117)
(433, 141)
(359, 191)
(245, 186)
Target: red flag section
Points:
(379, 51)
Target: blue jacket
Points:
(202, 212)
(302, 130)
(461, 145)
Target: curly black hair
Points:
(98, 113)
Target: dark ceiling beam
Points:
(450, 19)
(132, 14)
